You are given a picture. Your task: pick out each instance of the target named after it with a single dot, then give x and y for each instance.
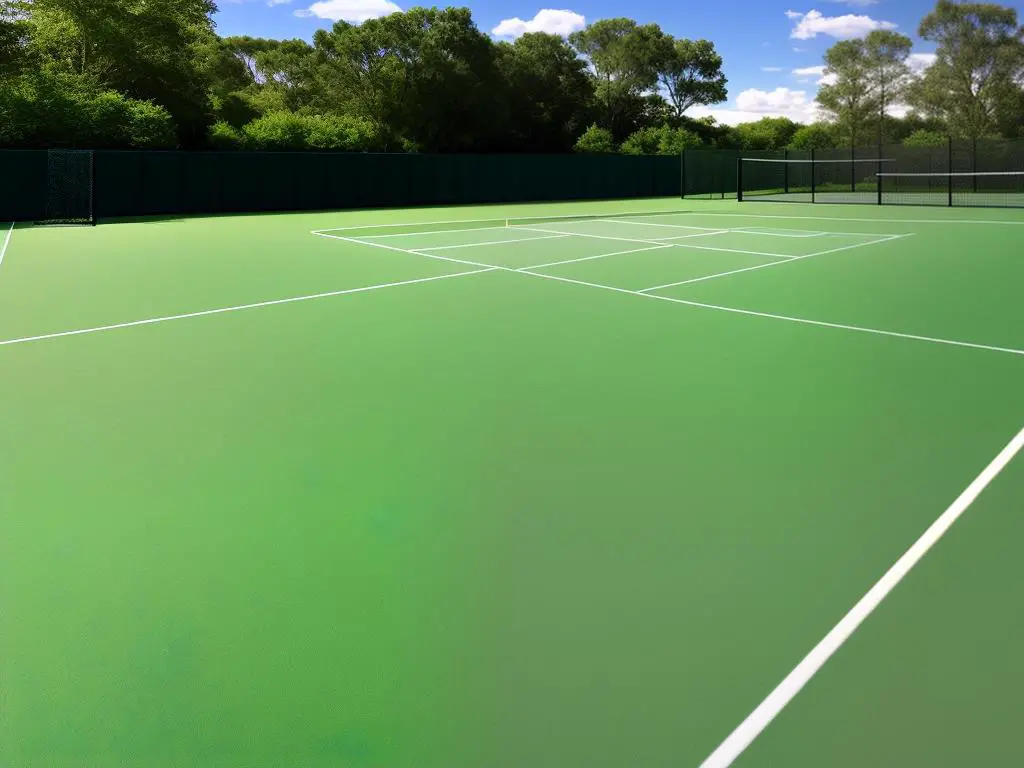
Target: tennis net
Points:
(810, 181)
(988, 189)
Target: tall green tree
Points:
(144, 50)
(549, 94)
(623, 57)
(887, 54)
(975, 82)
(429, 76)
(690, 72)
(849, 100)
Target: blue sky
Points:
(771, 47)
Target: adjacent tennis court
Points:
(594, 484)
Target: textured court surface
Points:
(367, 489)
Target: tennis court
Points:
(535, 485)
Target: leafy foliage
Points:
(596, 141)
(976, 82)
(815, 136)
(926, 138)
(153, 73)
(690, 71)
(663, 140)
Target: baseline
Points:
(736, 742)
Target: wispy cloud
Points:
(353, 11)
(771, 69)
(808, 71)
(813, 23)
(555, 22)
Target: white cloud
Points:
(807, 71)
(278, 2)
(919, 62)
(354, 11)
(547, 20)
(830, 79)
(813, 23)
(806, 113)
(856, 3)
(799, 50)
(771, 69)
(753, 104)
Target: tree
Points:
(849, 100)
(623, 57)
(663, 140)
(766, 133)
(887, 53)
(428, 76)
(548, 91)
(815, 136)
(142, 50)
(925, 138)
(975, 82)
(596, 141)
(690, 72)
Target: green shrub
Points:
(925, 138)
(596, 141)
(225, 136)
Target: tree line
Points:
(123, 73)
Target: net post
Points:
(785, 171)
(739, 179)
(949, 170)
(814, 176)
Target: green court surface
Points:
(548, 485)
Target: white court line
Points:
(767, 710)
(770, 264)
(568, 216)
(407, 250)
(598, 256)
(791, 233)
(239, 307)
(7, 241)
(656, 241)
(787, 318)
(734, 250)
(418, 234)
(845, 218)
(701, 305)
(663, 241)
(655, 224)
(492, 242)
(779, 231)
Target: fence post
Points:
(682, 174)
(739, 179)
(814, 176)
(949, 170)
